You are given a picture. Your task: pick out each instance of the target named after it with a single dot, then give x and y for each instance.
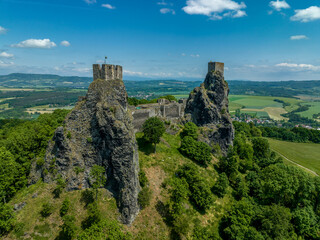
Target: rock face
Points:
(207, 106)
(98, 132)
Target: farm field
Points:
(262, 106)
(314, 109)
(305, 154)
(45, 109)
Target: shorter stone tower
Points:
(216, 66)
(107, 72)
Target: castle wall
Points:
(169, 111)
(107, 72)
(216, 66)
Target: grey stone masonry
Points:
(216, 66)
(107, 72)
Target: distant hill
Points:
(145, 88)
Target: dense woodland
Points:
(266, 198)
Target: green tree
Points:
(195, 150)
(190, 130)
(153, 129)
(221, 186)
(8, 174)
(65, 207)
(47, 209)
(98, 178)
(7, 218)
(61, 184)
(68, 229)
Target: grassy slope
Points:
(305, 154)
(149, 224)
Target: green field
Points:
(305, 154)
(314, 109)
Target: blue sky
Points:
(163, 39)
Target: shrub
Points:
(144, 197)
(143, 179)
(69, 135)
(153, 129)
(190, 130)
(69, 228)
(65, 207)
(109, 230)
(197, 151)
(220, 188)
(78, 170)
(40, 162)
(89, 140)
(94, 216)
(7, 219)
(61, 184)
(47, 210)
(87, 196)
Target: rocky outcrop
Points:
(207, 107)
(98, 132)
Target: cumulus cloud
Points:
(3, 30)
(306, 15)
(65, 43)
(6, 64)
(109, 6)
(279, 5)
(167, 10)
(6, 55)
(35, 43)
(298, 67)
(298, 37)
(216, 9)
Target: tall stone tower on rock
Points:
(208, 106)
(98, 131)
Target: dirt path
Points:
(309, 170)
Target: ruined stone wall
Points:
(168, 111)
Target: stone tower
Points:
(216, 66)
(107, 72)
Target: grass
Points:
(33, 226)
(314, 109)
(305, 154)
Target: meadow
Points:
(304, 154)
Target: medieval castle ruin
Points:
(169, 110)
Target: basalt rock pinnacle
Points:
(207, 106)
(98, 131)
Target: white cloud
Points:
(163, 3)
(183, 54)
(6, 55)
(90, 1)
(3, 30)
(167, 10)
(6, 64)
(298, 37)
(65, 43)
(195, 55)
(279, 5)
(108, 6)
(298, 67)
(214, 8)
(35, 43)
(306, 15)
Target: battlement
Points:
(107, 72)
(216, 66)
